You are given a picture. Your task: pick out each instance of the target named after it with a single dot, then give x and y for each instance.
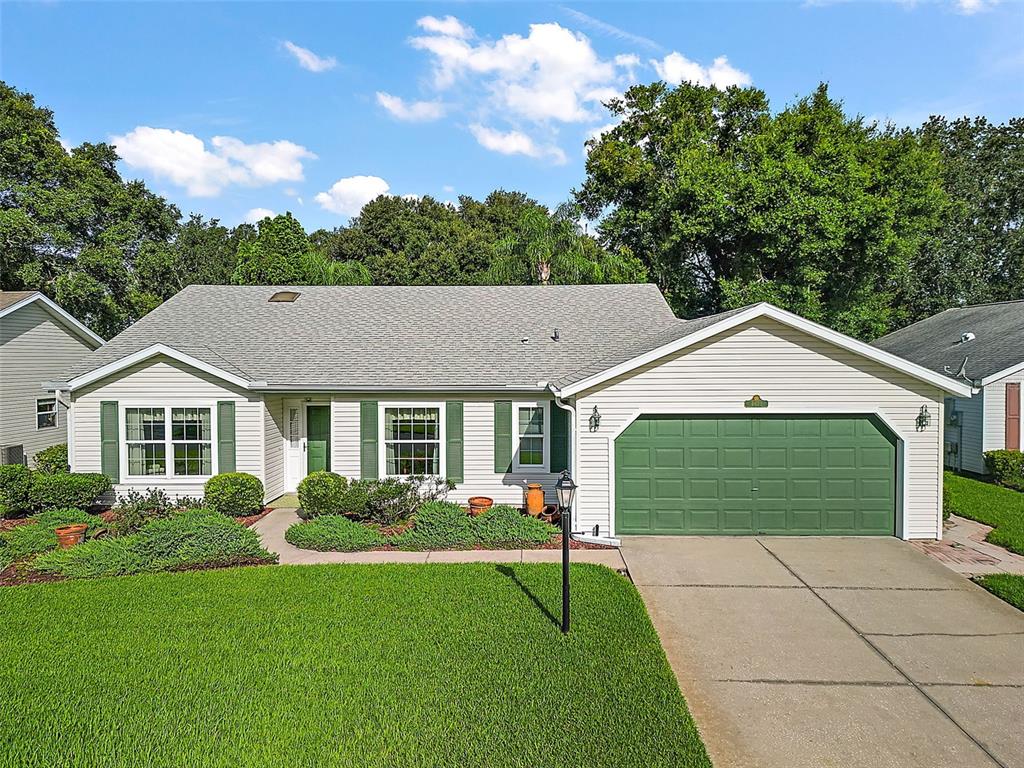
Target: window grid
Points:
(191, 434)
(46, 413)
(176, 441)
(531, 436)
(146, 433)
(412, 440)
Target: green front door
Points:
(318, 438)
(818, 475)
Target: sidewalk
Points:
(963, 549)
(272, 527)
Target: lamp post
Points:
(565, 489)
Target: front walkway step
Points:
(963, 549)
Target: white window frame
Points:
(55, 412)
(516, 436)
(168, 478)
(442, 440)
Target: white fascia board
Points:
(1003, 374)
(152, 351)
(78, 327)
(786, 318)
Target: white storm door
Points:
(294, 442)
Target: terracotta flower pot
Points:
(70, 535)
(534, 499)
(479, 504)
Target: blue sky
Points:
(231, 109)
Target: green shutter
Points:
(110, 448)
(368, 440)
(225, 436)
(560, 447)
(454, 441)
(502, 436)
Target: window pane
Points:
(192, 459)
(412, 441)
(531, 421)
(190, 424)
(531, 451)
(146, 459)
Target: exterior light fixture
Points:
(595, 420)
(565, 490)
(924, 419)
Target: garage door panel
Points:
(761, 474)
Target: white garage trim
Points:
(901, 453)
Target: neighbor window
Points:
(169, 441)
(531, 434)
(412, 440)
(46, 413)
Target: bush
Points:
(334, 533)
(67, 489)
(506, 526)
(234, 494)
(356, 498)
(53, 460)
(321, 493)
(15, 490)
(439, 525)
(38, 536)
(1006, 467)
(194, 538)
(135, 509)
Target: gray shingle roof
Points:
(935, 341)
(8, 298)
(365, 337)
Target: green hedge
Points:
(321, 493)
(235, 494)
(67, 489)
(1006, 467)
(334, 533)
(53, 460)
(15, 490)
(39, 536)
(443, 525)
(503, 525)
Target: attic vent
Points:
(965, 337)
(285, 296)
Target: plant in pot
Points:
(70, 535)
(479, 504)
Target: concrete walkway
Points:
(272, 527)
(813, 652)
(963, 549)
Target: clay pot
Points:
(479, 504)
(534, 499)
(70, 535)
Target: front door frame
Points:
(296, 458)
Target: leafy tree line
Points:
(706, 192)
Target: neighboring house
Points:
(750, 421)
(981, 344)
(39, 341)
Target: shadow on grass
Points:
(510, 573)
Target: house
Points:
(750, 421)
(983, 345)
(39, 341)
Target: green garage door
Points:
(751, 475)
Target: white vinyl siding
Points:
(34, 347)
(162, 382)
(273, 446)
(969, 434)
(995, 412)
(795, 373)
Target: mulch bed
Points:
(16, 574)
(253, 519)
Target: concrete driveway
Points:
(844, 652)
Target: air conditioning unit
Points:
(12, 454)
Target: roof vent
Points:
(965, 337)
(286, 296)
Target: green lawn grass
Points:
(338, 665)
(990, 504)
(1008, 586)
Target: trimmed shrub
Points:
(67, 489)
(356, 498)
(15, 490)
(505, 526)
(321, 493)
(439, 525)
(135, 509)
(334, 533)
(1006, 467)
(234, 494)
(53, 460)
(38, 536)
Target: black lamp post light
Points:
(565, 490)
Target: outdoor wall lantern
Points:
(924, 419)
(565, 490)
(595, 419)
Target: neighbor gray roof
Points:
(366, 337)
(8, 298)
(935, 342)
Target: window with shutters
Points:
(174, 441)
(412, 440)
(530, 445)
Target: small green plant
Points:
(321, 493)
(15, 490)
(53, 460)
(334, 533)
(39, 536)
(134, 509)
(356, 498)
(506, 526)
(439, 525)
(234, 494)
(67, 489)
(1006, 467)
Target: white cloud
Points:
(449, 26)
(411, 111)
(970, 7)
(448, 188)
(256, 215)
(676, 68)
(347, 196)
(611, 30)
(309, 60)
(514, 143)
(184, 160)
